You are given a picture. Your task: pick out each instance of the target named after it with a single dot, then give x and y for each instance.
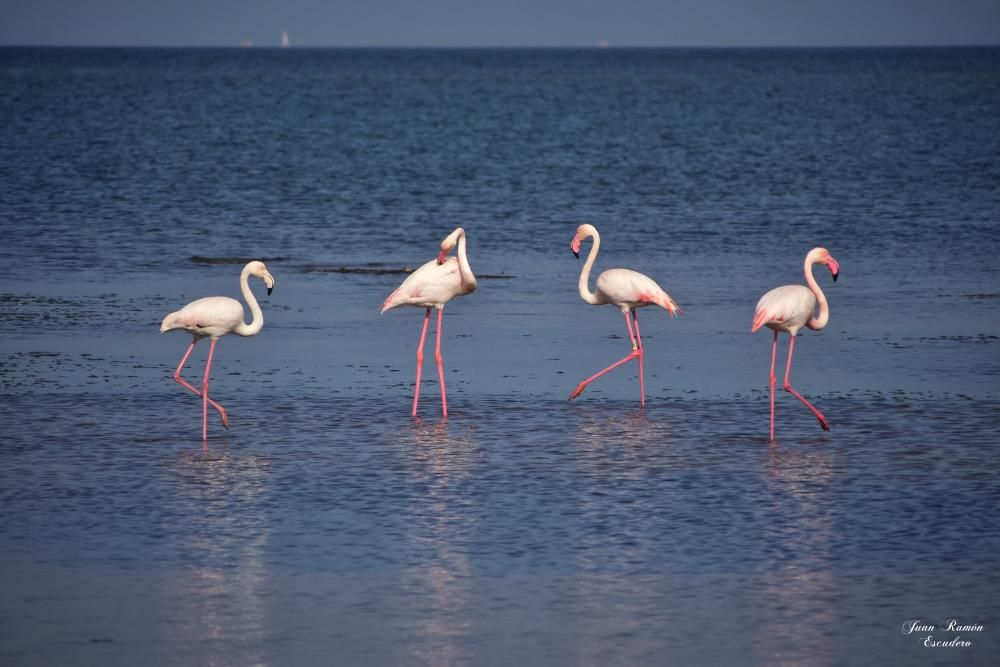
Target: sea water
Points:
(329, 527)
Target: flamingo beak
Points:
(269, 282)
(442, 256)
(834, 268)
(269, 290)
(575, 246)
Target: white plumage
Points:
(214, 317)
(627, 290)
(432, 286)
(789, 308)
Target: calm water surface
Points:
(329, 527)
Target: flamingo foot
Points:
(225, 417)
(579, 390)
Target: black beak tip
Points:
(576, 254)
(269, 290)
(835, 276)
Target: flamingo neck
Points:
(585, 293)
(257, 323)
(464, 269)
(819, 321)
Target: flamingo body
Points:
(432, 286)
(789, 308)
(627, 290)
(213, 317)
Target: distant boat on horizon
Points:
(284, 39)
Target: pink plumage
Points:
(627, 290)
(213, 317)
(789, 308)
(432, 286)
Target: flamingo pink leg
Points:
(788, 388)
(204, 391)
(440, 364)
(635, 353)
(420, 361)
(638, 339)
(184, 383)
(774, 355)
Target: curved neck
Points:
(464, 270)
(257, 322)
(819, 321)
(585, 293)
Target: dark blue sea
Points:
(328, 526)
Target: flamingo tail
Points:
(663, 300)
(170, 322)
(759, 318)
(390, 302)
(671, 305)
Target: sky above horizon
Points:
(499, 23)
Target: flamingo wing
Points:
(212, 316)
(432, 284)
(786, 308)
(631, 289)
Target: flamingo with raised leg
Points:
(789, 308)
(432, 286)
(214, 317)
(627, 290)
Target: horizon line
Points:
(594, 47)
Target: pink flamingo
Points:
(626, 289)
(789, 308)
(216, 316)
(431, 286)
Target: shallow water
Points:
(327, 525)
(519, 530)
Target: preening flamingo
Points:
(214, 317)
(789, 308)
(431, 286)
(624, 288)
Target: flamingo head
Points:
(823, 256)
(259, 270)
(449, 244)
(582, 232)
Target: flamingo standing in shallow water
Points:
(214, 317)
(789, 308)
(431, 286)
(626, 289)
